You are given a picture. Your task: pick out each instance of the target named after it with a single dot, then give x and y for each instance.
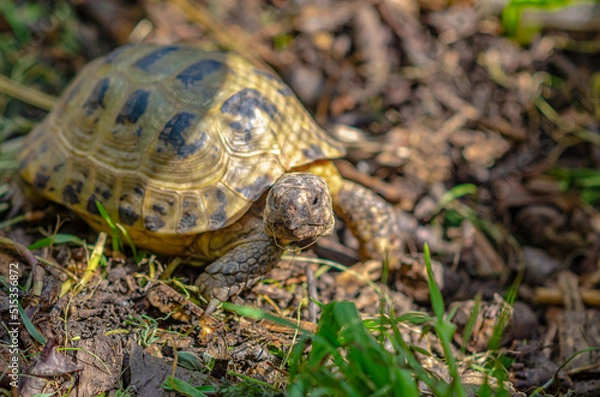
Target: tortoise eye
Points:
(315, 201)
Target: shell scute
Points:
(218, 216)
(192, 213)
(250, 177)
(161, 209)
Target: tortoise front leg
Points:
(372, 220)
(239, 268)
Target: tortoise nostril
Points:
(293, 225)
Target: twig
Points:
(312, 293)
(551, 296)
(25, 253)
(26, 94)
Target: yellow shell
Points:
(172, 140)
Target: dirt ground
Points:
(489, 148)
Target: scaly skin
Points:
(372, 220)
(240, 268)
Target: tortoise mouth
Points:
(305, 231)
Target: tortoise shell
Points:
(170, 139)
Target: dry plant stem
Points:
(29, 216)
(312, 293)
(26, 94)
(171, 267)
(273, 304)
(288, 329)
(549, 296)
(93, 262)
(56, 270)
(571, 293)
(38, 271)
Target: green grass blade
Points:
(57, 239)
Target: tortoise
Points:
(199, 153)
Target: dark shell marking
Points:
(160, 209)
(218, 218)
(256, 188)
(246, 102)
(189, 217)
(196, 71)
(110, 58)
(314, 152)
(266, 74)
(188, 221)
(128, 216)
(285, 91)
(41, 181)
(153, 223)
(246, 130)
(91, 206)
(106, 194)
(96, 98)
(134, 108)
(174, 135)
(70, 195)
(146, 62)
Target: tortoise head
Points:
(298, 207)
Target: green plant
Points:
(514, 10)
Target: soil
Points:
(489, 148)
